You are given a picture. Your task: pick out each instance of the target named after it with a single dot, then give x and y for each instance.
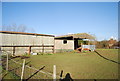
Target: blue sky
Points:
(58, 18)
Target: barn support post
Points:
(29, 50)
(53, 49)
(81, 46)
(13, 51)
(42, 48)
(89, 42)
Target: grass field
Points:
(7, 75)
(80, 65)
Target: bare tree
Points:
(22, 28)
(16, 28)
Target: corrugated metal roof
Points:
(11, 32)
(78, 35)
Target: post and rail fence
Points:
(24, 71)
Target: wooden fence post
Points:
(23, 67)
(7, 62)
(54, 72)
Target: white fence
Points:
(91, 47)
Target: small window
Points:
(64, 41)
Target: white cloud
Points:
(70, 33)
(114, 38)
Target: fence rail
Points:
(15, 67)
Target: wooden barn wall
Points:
(16, 39)
(61, 47)
(24, 40)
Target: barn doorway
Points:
(76, 44)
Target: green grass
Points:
(109, 53)
(9, 75)
(80, 65)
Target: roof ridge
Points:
(13, 32)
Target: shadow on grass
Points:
(34, 73)
(4, 76)
(106, 58)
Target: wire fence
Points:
(15, 66)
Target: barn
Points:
(19, 43)
(72, 42)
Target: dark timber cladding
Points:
(17, 40)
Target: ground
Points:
(80, 65)
(7, 75)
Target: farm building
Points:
(73, 42)
(20, 43)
